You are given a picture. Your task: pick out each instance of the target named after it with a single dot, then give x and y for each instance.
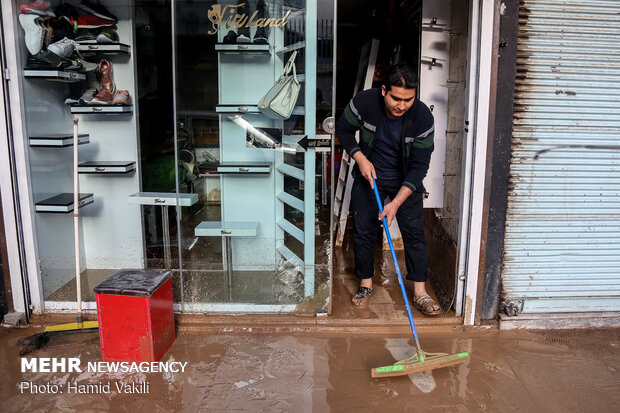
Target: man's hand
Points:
(390, 210)
(366, 167)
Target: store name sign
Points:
(231, 18)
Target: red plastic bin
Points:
(136, 321)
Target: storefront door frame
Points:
(14, 183)
(477, 132)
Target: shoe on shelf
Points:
(231, 37)
(88, 66)
(87, 96)
(63, 27)
(84, 99)
(46, 60)
(63, 48)
(40, 7)
(243, 9)
(35, 35)
(90, 21)
(121, 97)
(108, 87)
(49, 32)
(243, 39)
(107, 35)
(260, 40)
(86, 36)
(261, 32)
(95, 8)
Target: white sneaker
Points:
(35, 35)
(63, 48)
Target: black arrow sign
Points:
(314, 143)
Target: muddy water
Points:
(569, 371)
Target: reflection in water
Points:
(401, 349)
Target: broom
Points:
(80, 323)
(421, 360)
(38, 341)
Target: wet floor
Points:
(515, 371)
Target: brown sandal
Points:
(361, 297)
(425, 304)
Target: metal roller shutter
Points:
(562, 239)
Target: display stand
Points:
(164, 200)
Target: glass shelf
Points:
(236, 168)
(106, 167)
(55, 75)
(101, 109)
(62, 203)
(57, 140)
(242, 48)
(112, 48)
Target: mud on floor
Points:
(559, 371)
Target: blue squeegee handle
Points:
(400, 277)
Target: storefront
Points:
(181, 168)
(562, 223)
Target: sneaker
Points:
(231, 37)
(35, 35)
(260, 40)
(107, 36)
(63, 48)
(46, 60)
(243, 9)
(87, 96)
(243, 39)
(86, 36)
(260, 37)
(95, 8)
(49, 32)
(88, 66)
(41, 8)
(91, 21)
(64, 26)
(84, 99)
(121, 97)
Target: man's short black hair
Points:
(401, 76)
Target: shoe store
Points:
(198, 137)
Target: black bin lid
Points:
(141, 283)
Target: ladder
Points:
(342, 196)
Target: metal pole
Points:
(76, 222)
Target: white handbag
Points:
(279, 101)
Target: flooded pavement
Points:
(509, 371)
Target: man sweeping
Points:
(395, 146)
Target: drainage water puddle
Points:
(507, 371)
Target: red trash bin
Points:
(136, 321)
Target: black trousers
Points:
(366, 225)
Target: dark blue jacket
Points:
(364, 113)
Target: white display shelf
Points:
(237, 168)
(56, 75)
(163, 198)
(106, 167)
(226, 229)
(243, 48)
(57, 140)
(241, 109)
(101, 109)
(112, 48)
(63, 203)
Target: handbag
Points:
(279, 101)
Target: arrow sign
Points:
(314, 143)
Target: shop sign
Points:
(232, 19)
